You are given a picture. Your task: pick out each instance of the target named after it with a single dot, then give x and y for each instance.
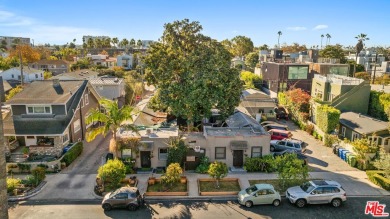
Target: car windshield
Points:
(251, 189)
(307, 187)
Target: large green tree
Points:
(3, 175)
(192, 73)
(252, 59)
(334, 52)
(241, 45)
(112, 120)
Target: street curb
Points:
(189, 198)
(30, 194)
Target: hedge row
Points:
(327, 118)
(259, 164)
(376, 176)
(73, 153)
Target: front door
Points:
(145, 159)
(238, 158)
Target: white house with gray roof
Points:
(109, 87)
(29, 74)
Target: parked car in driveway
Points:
(287, 144)
(275, 126)
(289, 151)
(277, 134)
(317, 192)
(125, 197)
(268, 122)
(259, 194)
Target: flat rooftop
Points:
(149, 133)
(228, 131)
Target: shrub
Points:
(172, 174)
(72, 153)
(378, 178)
(39, 174)
(259, 164)
(30, 181)
(177, 151)
(327, 118)
(362, 146)
(290, 170)
(203, 166)
(309, 129)
(112, 173)
(218, 170)
(330, 140)
(12, 183)
(383, 162)
(24, 167)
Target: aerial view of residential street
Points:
(221, 109)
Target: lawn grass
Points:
(224, 186)
(160, 187)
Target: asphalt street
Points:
(353, 208)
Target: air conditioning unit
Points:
(197, 148)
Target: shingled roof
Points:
(362, 124)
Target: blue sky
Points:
(58, 22)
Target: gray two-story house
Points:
(48, 115)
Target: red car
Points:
(277, 134)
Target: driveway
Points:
(78, 179)
(320, 157)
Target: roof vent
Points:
(56, 82)
(116, 80)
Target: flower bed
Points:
(228, 186)
(159, 189)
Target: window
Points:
(220, 153)
(257, 151)
(343, 129)
(41, 75)
(262, 192)
(121, 196)
(317, 191)
(270, 192)
(38, 109)
(298, 72)
(163, 153)
(12, 76)
(36, 75)
(339, 70)
(90, 124)
(76, 126)
(86, 99)
(355, 136)
(65, 138)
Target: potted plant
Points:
(25, 151)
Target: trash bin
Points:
(341, 152)
(335, 148)
(353, 161)
(344, 154)
(349, 158)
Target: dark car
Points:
(275, 126)
(125, 197)
(281, 113)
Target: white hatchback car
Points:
(259, 194)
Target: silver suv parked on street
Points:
(317, 192)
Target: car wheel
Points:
(272, 148)
(132, 207)
(276, 202)
(336, 202)
(248, 204)
(301, 203)
(107, 207)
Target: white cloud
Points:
(9, 19)
(320, 27)
(296, 28)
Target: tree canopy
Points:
(28, 53)
(334, 52)
(192, 73)
(294, 48)
(252, 59)
(241, 46)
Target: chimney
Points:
(56, 83)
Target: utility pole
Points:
(376, 57)
(21, 67)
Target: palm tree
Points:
(98, 43)
(132, 42)
(139, 43)
(3, 176)
(279, 33)
(359, 46)
(328, 36)
(322, 37)
(90, 43)
(125, 42)
(112, 119)
(115, 41)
